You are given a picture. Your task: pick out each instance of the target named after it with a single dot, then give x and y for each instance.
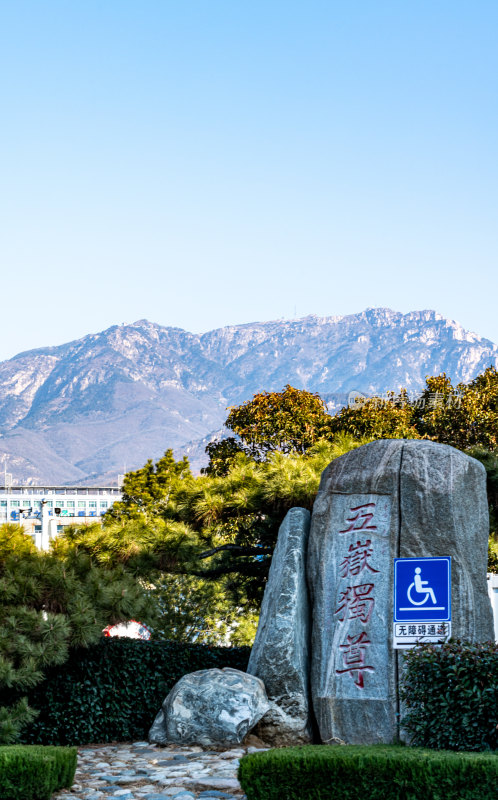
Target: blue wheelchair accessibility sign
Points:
(422, 589)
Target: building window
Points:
(15, 503)
(92, 504)
(81, 504)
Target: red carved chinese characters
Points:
(357, 559)
(357, 602)
(360, 518)
(354, 655)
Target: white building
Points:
(44, 510)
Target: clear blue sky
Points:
(212, 162)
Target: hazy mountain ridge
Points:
(86, 410)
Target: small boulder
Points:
(210, 707)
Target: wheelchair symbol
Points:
(421, 587)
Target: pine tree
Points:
(146, 491)
(50, 603)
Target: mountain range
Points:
(84, 411)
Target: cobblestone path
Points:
(141, 771)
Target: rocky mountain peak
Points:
(127, 393)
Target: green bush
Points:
(113, 690)
(451, 695)
(380, 772)
(34, 773)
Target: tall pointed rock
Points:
(281, 652)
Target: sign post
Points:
(422, 601)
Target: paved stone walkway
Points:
(141, 771)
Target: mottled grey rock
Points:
(444, 490)
(387, 499)
(281, 652)
(210, 706)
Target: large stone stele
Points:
(387, 499)
(210, 707)
(281, 652)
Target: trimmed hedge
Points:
(450, 693)
(379, 772)
(113, 690)
(34, 773)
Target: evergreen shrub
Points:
(34, 773)
(450, 693)
(113, 690)
(379, 772)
